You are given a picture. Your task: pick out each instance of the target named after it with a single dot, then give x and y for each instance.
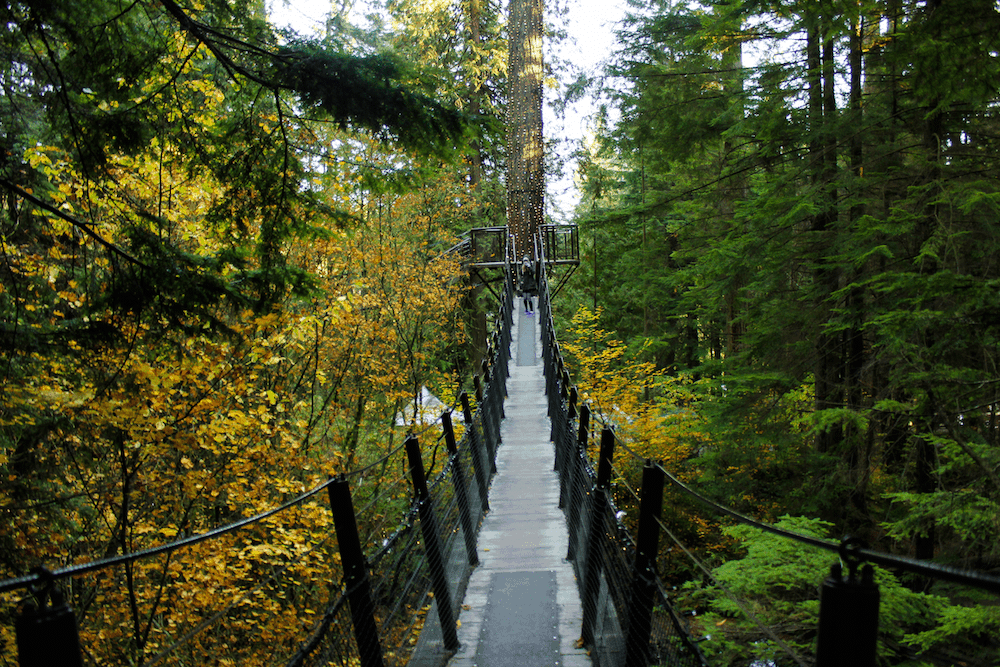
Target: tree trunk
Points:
(823, 157)
(732, 190)
(525, 179)
(859, 443)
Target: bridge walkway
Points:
(522, 604)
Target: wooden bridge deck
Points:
(522, 605)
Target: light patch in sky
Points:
(303, 16)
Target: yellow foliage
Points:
(650, 410)
(158, 434)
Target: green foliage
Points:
(965, 514)
(959, 625)
(793, 209)
(370, 92)
(778, 581)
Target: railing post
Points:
(565, 437)
(554, 393)
(432, 544)
(599, 507)
(573, 470)
(494, 406)
(482, 475)
(47, 635)
(461, 493)
(491, 430)
(487, 423)
(352, 558)
(560, 420)
(644, 576)
(501, 372)
(848, 618)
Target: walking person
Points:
(529, 286)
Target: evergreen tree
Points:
(819, 179)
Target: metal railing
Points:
(628, 619)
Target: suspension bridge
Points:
(511, 551)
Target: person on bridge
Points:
(529, 286)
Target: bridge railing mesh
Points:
(601, 547)
(412, 577)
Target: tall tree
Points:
(834, 247)
(525, 172)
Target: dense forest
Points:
(223, 251)
(790, 239)
(225, 271)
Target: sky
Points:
(590, 26)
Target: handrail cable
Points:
(732, 596)
(243, 595)
(103, 563)
(400, 600)
(980, 580)
(753, 618)
(205, 623)
(319, 630)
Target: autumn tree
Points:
(178, 353)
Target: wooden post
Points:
(352, 558)
(432, 545)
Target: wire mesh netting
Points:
(627, 616)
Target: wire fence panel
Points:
(600, 543)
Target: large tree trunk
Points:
(823, 157)
(733, 187)
(859, 452)
(525, 179)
